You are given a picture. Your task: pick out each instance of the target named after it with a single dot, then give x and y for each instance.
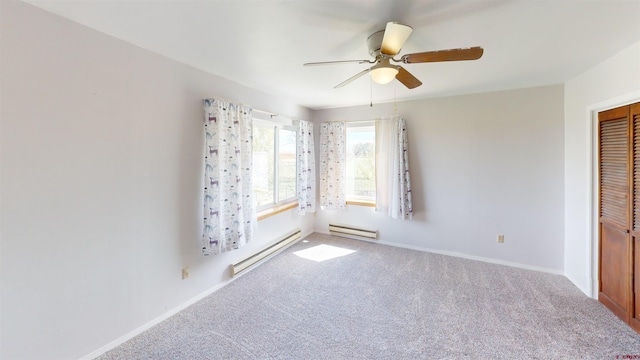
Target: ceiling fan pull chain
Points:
(371, 91)
(395, 97)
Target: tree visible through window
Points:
(274, 163)
(263, 164)
(286, 164)
(361, 161)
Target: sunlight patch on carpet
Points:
(323, 252)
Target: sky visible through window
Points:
(361, 162)
(274, 164)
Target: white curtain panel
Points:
(228, 193)
(306, 169)
(393, 183)
(332, 166)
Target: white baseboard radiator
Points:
(252, 260)
(353, 232)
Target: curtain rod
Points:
(360, 121)
(272, 114)
(265, 112)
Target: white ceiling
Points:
(263, 43)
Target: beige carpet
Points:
(380, 302)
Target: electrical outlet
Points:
(185, 272)
(500, 238)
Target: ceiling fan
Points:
(385, 44)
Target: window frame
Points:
(355, 199)
(277, 206)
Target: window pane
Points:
(287, 165)
(263, 164)
(361, 162)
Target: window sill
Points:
(361, 203)
(276, 210)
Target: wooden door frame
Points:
(593, 168)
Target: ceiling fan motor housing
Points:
(374, 42)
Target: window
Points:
(274, 164)
(361, 162)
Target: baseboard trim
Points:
(130, 335)
(589, 291)
(462, 255)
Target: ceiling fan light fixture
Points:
(384, 75)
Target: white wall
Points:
(481, 165)
(101, 146)
(606, 85)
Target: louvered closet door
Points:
(615, 209)
(634, 321)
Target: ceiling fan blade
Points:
(407, 79)
(352, 78)
(338, 62)
(473, 53)
(394, 38)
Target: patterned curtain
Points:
(306, 169)
(228, 193)
(393, 184)
(332, 166)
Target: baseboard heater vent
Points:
(252, 260)
(352, 232)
